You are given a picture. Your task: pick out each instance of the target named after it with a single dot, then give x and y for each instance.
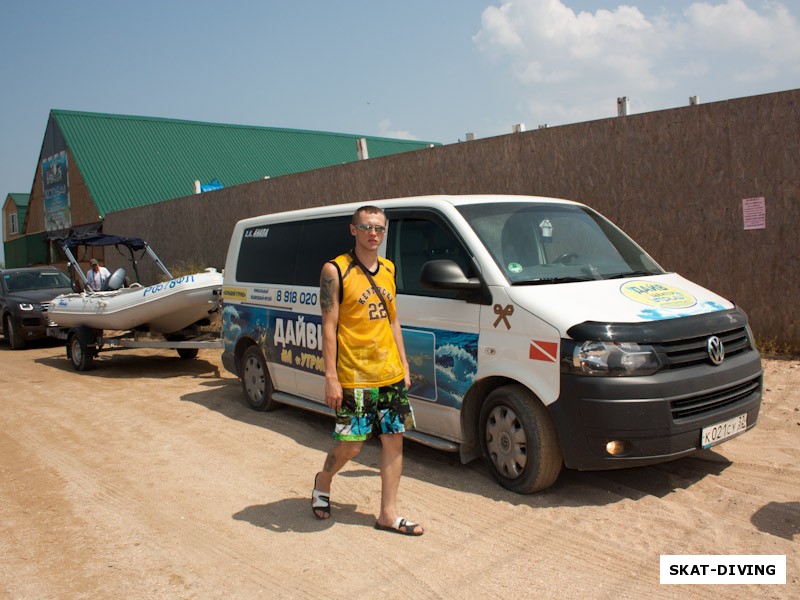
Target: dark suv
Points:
(25, 296)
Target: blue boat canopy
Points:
(101, 239)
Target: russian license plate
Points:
(714, 434)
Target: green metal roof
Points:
(128, 161)
(21, 201)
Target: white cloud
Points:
(733, 25)
(554, 112)
(385, 129)
(565, 63)
(498, 34)
(547, 41)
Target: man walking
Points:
(366, 371)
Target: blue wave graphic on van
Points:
(285, 337)
(661, 314)
(240, 320)
(443, 364)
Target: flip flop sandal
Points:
(400, 526)
(320, 501)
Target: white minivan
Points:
(538, 334)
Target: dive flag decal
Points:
(545, 351)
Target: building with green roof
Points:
(15, 209)
(92, 164)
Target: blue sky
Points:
(421, 69)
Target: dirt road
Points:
(147, 477)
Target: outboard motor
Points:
(116, 280)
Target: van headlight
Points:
(608, 359)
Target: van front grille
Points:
(688, 352)
(710, 402)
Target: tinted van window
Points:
(322, 240)
(291, 253)
(415, 241)
(268, 254)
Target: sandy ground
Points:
(147, 477)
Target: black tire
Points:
(15, 341)
(81, 349)
(519, 440)
(256, 382)
(184, 353)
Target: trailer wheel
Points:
(519, 440)
(256, 382)
(187, 353)
(81, 349)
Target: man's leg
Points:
(391, 470)
(339, 455)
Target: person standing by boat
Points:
(366, 370)
(97, 275)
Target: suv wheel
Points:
(11, 332)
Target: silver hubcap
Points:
(254, 379)
(506, 442)
(77, 355)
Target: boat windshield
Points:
(36, 280)
(539, 243)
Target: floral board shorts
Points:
(368, 411)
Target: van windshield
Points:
(538, 243)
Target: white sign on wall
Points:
(755, 213)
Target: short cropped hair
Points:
(369, 209)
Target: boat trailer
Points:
(84, 343)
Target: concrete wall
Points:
(674, 180)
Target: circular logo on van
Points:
(716, 350)
(657, 294)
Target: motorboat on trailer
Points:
(164, 307)
(161, 308)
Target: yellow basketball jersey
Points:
(367, 355)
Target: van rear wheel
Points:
(519, 440)
(256, 383)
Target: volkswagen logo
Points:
(716, 350)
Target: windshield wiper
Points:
(548, 280)
(630, 274)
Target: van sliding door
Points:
(440, 328)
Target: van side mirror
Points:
(446, 275)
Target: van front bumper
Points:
(658, 417)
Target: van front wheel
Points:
(256, 383)
(519, 440)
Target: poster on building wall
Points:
(755, 213)
(56, 192)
